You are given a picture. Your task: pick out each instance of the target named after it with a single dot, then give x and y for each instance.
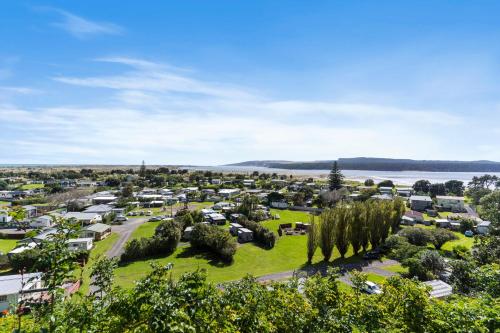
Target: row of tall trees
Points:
(357, 224)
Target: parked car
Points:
(371, 288)
(469, 233)
(121, 218)
(154, 219)
(149, 213)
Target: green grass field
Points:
(32, 186)
(378, 279)
(6, 245)
(397, 268)
(147, 229)
(462, 239)
(288, 254)
(99, 249)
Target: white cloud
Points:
(162, 115)
(81, 27)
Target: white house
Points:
(13, 287)
(31, 211)
(79, 244)
(217, 218)
(22, 248)
(234, 227)
(229, 192)
(44, 221)
(4, 216)
(101, 209)
(450, 202)
(84, 218)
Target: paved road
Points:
(124, 231)
(375, 267)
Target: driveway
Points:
(124, 231)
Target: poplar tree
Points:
(327, 234)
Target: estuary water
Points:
(398, 177)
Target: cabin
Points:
(245, 235)
(217, 218)
(42, 222)
(483, 228)
(187, 233)
(80, 244)
(97, 231)
(234, 227)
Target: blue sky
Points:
(213, 82)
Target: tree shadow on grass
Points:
(344, 264)
(212, 259)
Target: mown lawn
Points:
(378, 279)
(6, 245)
(288, 254)
(397, 268)
(147, 229)
(32, 186)
(468, 242)
(99, 249)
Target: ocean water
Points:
(398, 177)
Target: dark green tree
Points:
(335, 178)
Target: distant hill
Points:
(382, 164)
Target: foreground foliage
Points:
(160, 304)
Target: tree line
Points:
(357, 224)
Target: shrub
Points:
(441, 236)
(211, 238)
(164, 242)
(417, 236)
(24, 261)
(262, 235)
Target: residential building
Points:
(452, 203)
(14, 287)
(217, 218)
(103, 210)
(234, 227)
(84, 218)
(228, 193)
(31, 211)
(4, 216)
(385, 190)
(420, 202)
(42, 222)
(405, 192)
(103, 199)
(245, 235)
(80, 244)
(97, 231)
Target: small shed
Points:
(442, 223)
(483, 227)
(234, 227)
(439, 288)
(187, 233)
(245, 235)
